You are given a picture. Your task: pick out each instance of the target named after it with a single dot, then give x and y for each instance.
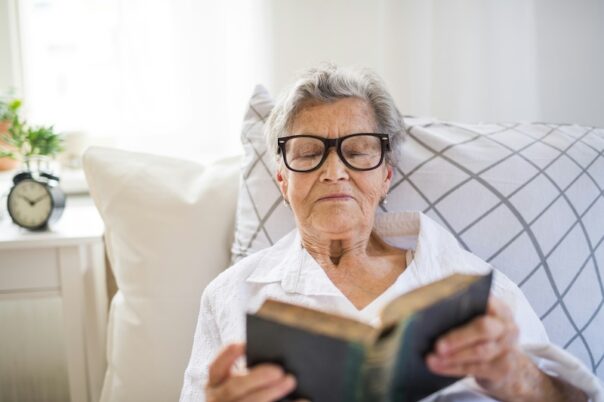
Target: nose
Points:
(333, 168)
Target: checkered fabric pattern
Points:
(528, 198)
(262, 217)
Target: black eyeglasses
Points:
(305, 153)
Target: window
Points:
(170, 77)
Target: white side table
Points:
(67, 261)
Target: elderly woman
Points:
(336, 136)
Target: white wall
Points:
(570, 62)
(469, 60)
(6, 75)
(9, 78)
(304, 33)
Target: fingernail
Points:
(434, 360)
(290, 380)
(275, 373)
(442, 346)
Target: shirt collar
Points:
(437, 252)
(274, 264)
(289, 263)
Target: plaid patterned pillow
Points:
(528, 198)
(262, 218)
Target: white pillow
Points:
(168, 228)
(526, 197)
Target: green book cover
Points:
(338, 359)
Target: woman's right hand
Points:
(262, 383)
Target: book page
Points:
(317, 321)
(406, 304)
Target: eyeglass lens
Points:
(360, 152)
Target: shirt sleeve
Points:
(550, 358)
(206, 344)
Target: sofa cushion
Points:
(528, 198)
(168, 224)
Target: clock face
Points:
(30, 204)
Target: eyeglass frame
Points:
(337, 144)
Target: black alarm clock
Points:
(35, 201)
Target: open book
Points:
(339, 359)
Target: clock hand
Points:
(31, 203)
(39, 199)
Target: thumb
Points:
(221, 366)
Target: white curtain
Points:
(170, 77)
(173, 76)
(187, 69)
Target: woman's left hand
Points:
(487, 349)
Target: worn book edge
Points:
(408, 303)
(395, 312)
(319, 322)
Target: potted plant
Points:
(8, 109)
(21, 143)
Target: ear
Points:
(390, 172)
(282, 182)
(388, 178)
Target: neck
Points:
(333, 251)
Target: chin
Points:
(335, 234)
(338, 226)
(338, 219)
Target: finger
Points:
(493, 369)
(273, 392)
(477, 353)
(482, 370)
(261, 376)
(481, 352)
(497, 370)
(481, 329)
(498, 308)
(221, 366)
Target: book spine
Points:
(353, 385)
(401, 369)
(378, 367)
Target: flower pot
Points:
(6, 163)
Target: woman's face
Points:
(335, 200)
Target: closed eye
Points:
(310, 155)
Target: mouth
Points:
(336, 197)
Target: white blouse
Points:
(287, 272)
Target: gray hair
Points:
(329, 83)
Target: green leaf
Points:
(7, 154)
(28, 141)
(9, 108)
(15, 105)
(42, 141)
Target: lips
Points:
(336, 197)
